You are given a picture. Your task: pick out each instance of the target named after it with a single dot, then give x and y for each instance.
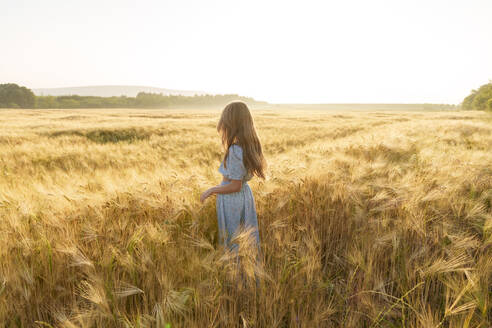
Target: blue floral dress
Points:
(236, 209)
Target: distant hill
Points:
(111, 90)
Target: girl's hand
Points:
(205, 195)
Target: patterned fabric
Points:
(235, 168)
(238, 208)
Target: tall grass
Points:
(367, 219)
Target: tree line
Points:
(480, 99)
(14, 96)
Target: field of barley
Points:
(367, 219)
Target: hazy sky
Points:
(406, 51)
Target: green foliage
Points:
(480, 99)
(14, 96)
(142, 100)
(428, 106)
(75, 101)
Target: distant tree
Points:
(14, 96)
(482, 97)
(68, 102)
(46, 102)
(479, 99)
(467, 102)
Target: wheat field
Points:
(367, 219)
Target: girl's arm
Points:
(233, 186)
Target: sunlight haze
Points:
(278, 51)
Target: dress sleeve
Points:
(234, 163)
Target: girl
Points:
(243, 158)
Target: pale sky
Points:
(355, 51)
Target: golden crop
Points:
(367, 219)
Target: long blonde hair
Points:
(236, 126)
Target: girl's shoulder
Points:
(236, 149)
